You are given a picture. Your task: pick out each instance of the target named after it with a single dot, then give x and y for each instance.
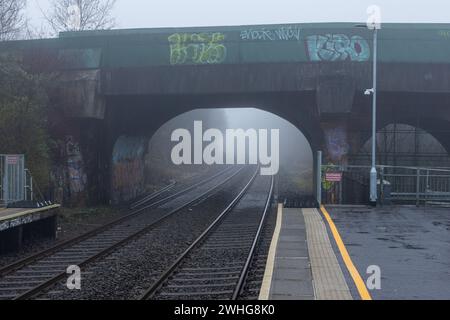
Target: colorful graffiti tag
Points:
(337, 143)
(197, 48)
(283, 33)
(444, 33)
(128, 168)
(77, 176)
(210, 48)
(337, 47)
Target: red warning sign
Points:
(12, 160)
(333, 176)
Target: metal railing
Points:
(29, 196)
(395, 184)
(421, 185)
(16, 183)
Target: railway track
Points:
(28, 277)
(216, 265)
(255, 275)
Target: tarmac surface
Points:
(410, 245)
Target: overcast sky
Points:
(181, 13)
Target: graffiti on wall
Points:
(337, 47)
(209, 48)
(337, 143)
(197, 48)
(283, 34)
(128, 168)
(444, 33)
(77, 176)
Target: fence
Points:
(404, 185)
(16, 183)
(421, 185)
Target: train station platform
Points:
(18, 225)
(301, 264)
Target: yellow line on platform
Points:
(270, 265)
(360, 285)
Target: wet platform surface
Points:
(292, 277)
(301, 263)
(410, 245)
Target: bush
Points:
(23, 118)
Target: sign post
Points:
(319, 178)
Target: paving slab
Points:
(329, 280)
(301, 261)
(292, 278)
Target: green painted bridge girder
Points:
(320, 42)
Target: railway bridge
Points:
(128, 83)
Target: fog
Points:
(293, 144)
(296, 160)
(295, 155)
(180, 13)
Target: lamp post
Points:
(373, 91)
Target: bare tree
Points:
(11, 18)
(79, 15)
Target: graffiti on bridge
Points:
(444, 33)
(209, 48)
(283, 33)
(337, 143)
(337, 47)
(197, 48)
(75, 164)
(128, 168)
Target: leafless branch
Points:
(79, 15)
(11, 18)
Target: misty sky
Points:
(180, 13)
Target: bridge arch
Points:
(406, 143)
(132, 142)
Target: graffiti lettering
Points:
(337, 143)
(77, 176)
(19, 221)
(444, 33)
(197, 48)
(283, 33)
(337, 47)
(128, 168)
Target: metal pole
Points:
(319, 178)
(382, 186)
(31, 188)
(373, 171)
(417, 187)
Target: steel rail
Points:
(28, 260)
(158, 193)
(244, 272)
(152, 196)
(46, 284)
(149, 293)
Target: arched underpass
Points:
(400, 144)
(141, 161)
